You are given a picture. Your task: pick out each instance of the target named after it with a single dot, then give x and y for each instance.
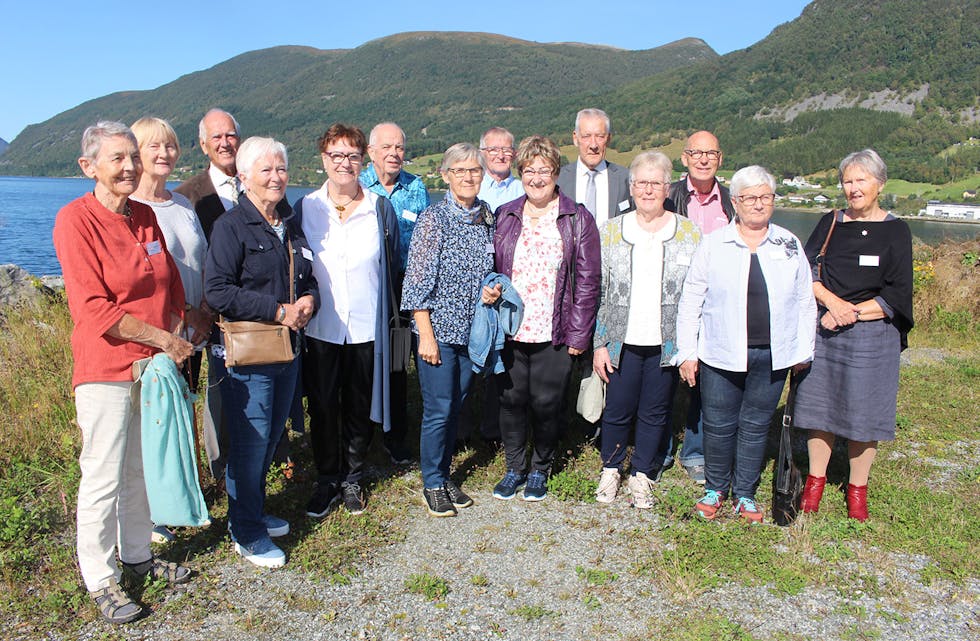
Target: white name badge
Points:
(778, 253)
(868, 261)
(684, 260)
(623, 206)
(307, 254)
(489, 248)
(154, 248)
(410, 216)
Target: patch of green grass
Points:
(428, 585)
(595, 576)
(479, 580)
(533, 612)
(572, 485)
(699, 626)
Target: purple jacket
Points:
(580, 269)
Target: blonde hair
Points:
(152, 129)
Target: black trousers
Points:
(337, 380)
(532, 390)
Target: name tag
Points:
(410, 216)
(684, 260)
(489, 248)
(868, 261)
(154, 248)
(777, 253)
(623, 206)
(307, 254)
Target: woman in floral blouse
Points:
(548, 246)
(450, 255)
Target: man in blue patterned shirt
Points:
(407, 193)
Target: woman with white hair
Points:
(450, 255)
(125, 300)
(747, 315)
(645, 256)
(862, 279)
(248, 278)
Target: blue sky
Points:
(58, 55)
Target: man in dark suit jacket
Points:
(609, 195)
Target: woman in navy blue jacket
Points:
(247, 278)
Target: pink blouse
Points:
(535, 273)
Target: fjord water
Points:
(28, 207)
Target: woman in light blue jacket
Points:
(747, 315)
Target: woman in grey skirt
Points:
(862, 264)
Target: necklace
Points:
(343, 208)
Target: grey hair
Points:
(256, 147)
(592, 113)
(655, 160)
(495, 130)
(459, 152)
(372, 137)
(202, 131)
(94, 136)
(869, 160)
(751, 176)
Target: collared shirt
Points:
(711, 315)
(225, 190)
(495, 193)
(601, 214)
(347, 268)
(705, 210)
(408, 198)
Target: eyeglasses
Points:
(498, 151)
(544, 172)
(459, 172)
(338, 157)
(767, 199)
(712, 154)
(643, 185)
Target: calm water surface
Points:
(28, 207)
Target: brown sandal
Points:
(159, 568)
(115, 605)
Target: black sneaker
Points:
(438, 502)
(536, 488)
(508, 485)
(353, 498)
(325, 496)
(456, 495)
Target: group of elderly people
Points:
(650, 295)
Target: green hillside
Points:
(441, 87)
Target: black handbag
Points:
(786, 482)
(399, 335)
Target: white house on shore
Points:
(956, 211)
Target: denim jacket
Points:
(577, 286)
(491, 323)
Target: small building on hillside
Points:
(954, 211)
(970, 194)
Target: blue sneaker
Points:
(275, 526)
(263, 553)
(508, 485)
(537, 486)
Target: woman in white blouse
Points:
(345, 365)
(747, 315)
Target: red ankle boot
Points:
(857, 502)
(812, 493)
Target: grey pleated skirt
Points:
(852, 386)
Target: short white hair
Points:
(751, 176)
(592, 113)
(373, 136)
(202, 131)
(94, 136)
(498, 131)
(655, 160)
(459, 152)
(257, 147)
(867, 159)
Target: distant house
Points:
(953, 211)
(970, 194)
(799, 182)
(799, 200)
(820, 198)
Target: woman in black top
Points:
(863, 285)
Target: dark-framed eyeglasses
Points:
(544, 172)
(338, 157)
(712, 154)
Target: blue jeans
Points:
(643, 390)
(737, 408)
(444, 387)
(256, 401)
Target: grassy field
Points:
(924, 494)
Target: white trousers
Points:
(112, 504)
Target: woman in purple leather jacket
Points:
(548, 246)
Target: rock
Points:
(19, 287)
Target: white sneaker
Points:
(263, 553)
(161, 534)
(608, 485)
(639, 489)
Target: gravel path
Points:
(512, 572)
